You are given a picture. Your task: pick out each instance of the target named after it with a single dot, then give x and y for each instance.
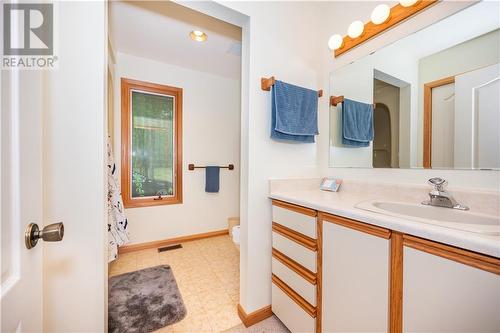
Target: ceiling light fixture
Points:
(355, 29)
(407, 3)
(380, 14)
(335, 42)
(198, 35)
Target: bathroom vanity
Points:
(340, 267)
(379, 257)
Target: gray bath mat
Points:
(144, 301)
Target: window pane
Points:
(152, 145)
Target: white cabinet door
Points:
(355, 280)
(441, 295)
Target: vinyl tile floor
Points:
(207, 273)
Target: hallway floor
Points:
(207, 273)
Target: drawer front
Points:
(290, 313)
(302, 223)
(295, 251)
(295, 281)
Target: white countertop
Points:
(343, 203)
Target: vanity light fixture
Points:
(355, 29)
(335, 42)
(198, 36)
(407, 3)
(383, 18)
(380, 14)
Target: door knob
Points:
(50, 233)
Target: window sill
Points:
(148, 202)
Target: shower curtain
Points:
(117, 221)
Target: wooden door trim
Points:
(295, 266)
(308, 308)
(473, 259)
(356, 225)
(428, 117)
(319, 272)
(295, 236)
(396, 284)
(295, 208)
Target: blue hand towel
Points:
(357, 123)
(212, 179)
(294, 113)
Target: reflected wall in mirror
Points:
(435, 95)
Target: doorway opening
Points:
(382, 145)
(174, 155)
(391, 122)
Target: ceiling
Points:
(159, 30)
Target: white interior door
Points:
(61, 113)
(477, 109)
(443, 126)
(21, 200)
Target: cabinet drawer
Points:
(290, 313)
(305, 224)
(295, 251)
(302, 287)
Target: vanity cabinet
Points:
(333, 274)
(446, 295)
(355, 276)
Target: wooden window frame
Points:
(126, 147)
(427, 137)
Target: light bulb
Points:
(198, 35)
(335, 42)
(407, 3)
(355, 29)
(380, 14)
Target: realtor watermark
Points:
(28, 36)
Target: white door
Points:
(21, 200)
(53, 148)
(443, 126)
(477, 116)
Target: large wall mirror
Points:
(436, 97)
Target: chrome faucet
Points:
(440, 198)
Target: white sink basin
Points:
(445, 217)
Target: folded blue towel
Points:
(357, 123)
(212, 179)
(294, 113)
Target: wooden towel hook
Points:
(335, 100)
(267, 83)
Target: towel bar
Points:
(192, 167)
(334, 100)
(267, 83)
